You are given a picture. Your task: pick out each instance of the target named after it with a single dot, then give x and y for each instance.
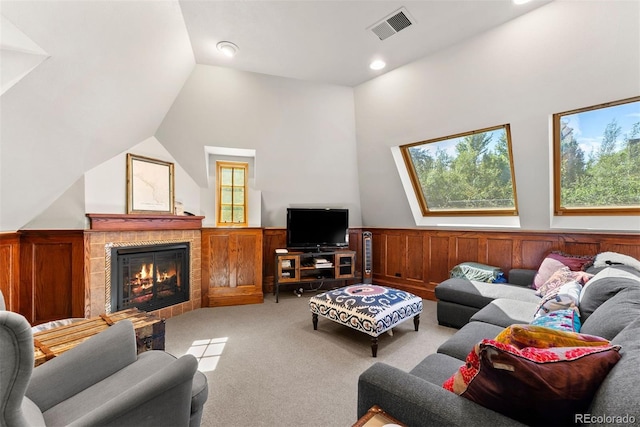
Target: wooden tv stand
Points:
(313, 267)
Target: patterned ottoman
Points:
(371, 309)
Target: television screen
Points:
(314, 228)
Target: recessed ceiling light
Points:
(521, 1)
(378, 64)
(227, 48)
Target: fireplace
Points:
(149, 277)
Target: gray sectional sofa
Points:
(459, 299)
(610, 310)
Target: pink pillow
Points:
(557, 260)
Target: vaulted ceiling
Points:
(105, 73)
(333, 41)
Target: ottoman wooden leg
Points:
(416, 321)
(374, 346)
(314, 318)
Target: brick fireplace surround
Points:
(98, 244)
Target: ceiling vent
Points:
(397, 21)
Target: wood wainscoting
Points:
(51, 275)
(10, 270)
(417, 260)
(41, 271)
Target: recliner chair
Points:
(101, 382)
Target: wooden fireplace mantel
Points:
(120, 222)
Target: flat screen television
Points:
(317, 228)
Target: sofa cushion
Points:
(461, 343)
(619, 393)
(604, 285)
(436, 368)
(533, 384)
(614, 314)
(522, 276)
(148, 364)
(504, 312)
(479, 294)
(557, 260)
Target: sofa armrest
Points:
(522, 276)
(417, 402)
(162, 399)
(88, 363)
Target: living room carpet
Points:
(266, 366)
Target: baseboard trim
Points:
(240, 299)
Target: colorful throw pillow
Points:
(565, 297)
(522, 336)
(557, 260)
(557, 279)
(562, 320)
(533, 384)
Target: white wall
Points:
(303, 135)
(106, 185)
(113, 71)
(562, 56)
(103, 189)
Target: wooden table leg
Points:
(416, 321)
(374, 346)
(314, 318)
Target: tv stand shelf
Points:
(313, 267)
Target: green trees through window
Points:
(597, 159)
(464, 174)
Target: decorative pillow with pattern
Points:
(562, 277)
(562, 320)
(565, 297)
(557, 260)
(522, 336)
(533, 385)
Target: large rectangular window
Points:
(465, 174)
(597, 159)
(231, 184)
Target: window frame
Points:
(558, 209)
(417, 188)
(220, 165)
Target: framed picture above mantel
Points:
(150, 186)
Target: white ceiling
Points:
(328, 41)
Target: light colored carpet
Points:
(266, 366)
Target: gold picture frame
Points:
(150, 186)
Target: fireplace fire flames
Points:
(150, 277)
(139, 289)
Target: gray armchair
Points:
(101, 382)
